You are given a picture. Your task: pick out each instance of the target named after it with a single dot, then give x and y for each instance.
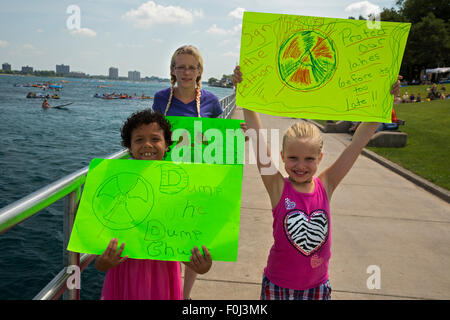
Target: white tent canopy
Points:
(437, 70)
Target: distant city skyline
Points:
(92, 36)
(113, 73)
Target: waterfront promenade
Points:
(378, 218)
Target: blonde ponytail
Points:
(198, 96)
(172, 87)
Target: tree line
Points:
(428, 44)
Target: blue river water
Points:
(39, 146)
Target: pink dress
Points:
(137, 279)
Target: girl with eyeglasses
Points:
(187, 98)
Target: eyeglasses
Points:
(184, 68)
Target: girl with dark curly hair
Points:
(147, 135)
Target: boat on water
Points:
(120, 96)
(68, 190)
(32, 95)
(43, 86)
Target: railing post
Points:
(70, 258)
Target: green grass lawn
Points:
(427, 124)
(427, 152)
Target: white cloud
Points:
(86, 32)
(151, 13)
(237, 29)
(237, 13)
(214, 29)
(39, 30)
(29, 49)
(129, 46)
(3, 44)
(363, 8)
(225, 43)
(231, 54)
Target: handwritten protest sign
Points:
(319, 68)
(206, 140)
(159, 209)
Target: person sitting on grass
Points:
(389, 126)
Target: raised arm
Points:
(334, 174)
(271, 177)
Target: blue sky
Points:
(141, 35)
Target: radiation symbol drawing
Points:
(307, 60)
(123, 201)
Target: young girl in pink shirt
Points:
(297, 266)
(148, 136)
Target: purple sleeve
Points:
(159, 101)
(213, 101)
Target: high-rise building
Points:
(27, 69)
(6, 67)
(113, 73)
(134, 75)
(62, 69)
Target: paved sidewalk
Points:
(377, 218)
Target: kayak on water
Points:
(63, 105)
(46, 105)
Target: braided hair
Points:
(187, 49)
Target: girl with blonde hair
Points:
(185, 97)
(297, 266)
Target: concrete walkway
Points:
(378, 219)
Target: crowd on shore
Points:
(433, 93)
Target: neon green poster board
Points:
(159, 209)
(206, 140)
(319, 68)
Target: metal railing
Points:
(69, 188)
(228, 104)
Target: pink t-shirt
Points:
(301, 251)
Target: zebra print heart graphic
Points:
(307, 233)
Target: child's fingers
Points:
(112, 246)
(206, 253)
(206, 261)
(396, 88)
(195, 257)
(119, 252)
(123, 259)
(237, 75)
